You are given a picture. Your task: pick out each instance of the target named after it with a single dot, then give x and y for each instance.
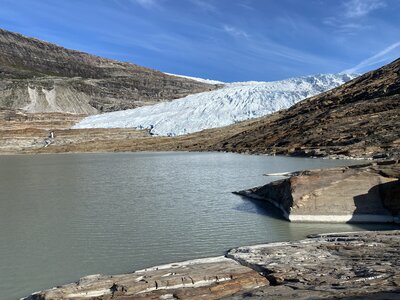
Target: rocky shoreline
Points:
(336, 265)
(357, 264)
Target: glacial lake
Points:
(65, 216)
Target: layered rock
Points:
(361, 264)
(366, 193)
(210, 278)
(43, 77)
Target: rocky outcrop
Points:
(43, 77)
(362, 264)
(358, 119)
(210, 278)
(366, 193)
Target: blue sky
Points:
(228, 40)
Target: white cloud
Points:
(379, 57)
(235, 32)
(361, 8)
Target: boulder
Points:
(366, 193)
(209, 278)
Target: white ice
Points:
(233, 103)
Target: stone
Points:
(366, 193)
(209, 278)
(328, 266)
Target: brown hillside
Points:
(361, 117)
(42, 77)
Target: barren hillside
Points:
(37, 76)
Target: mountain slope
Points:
(233, 103)
(41, 77)
(360, 118)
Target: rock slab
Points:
(210, 278)
(360, 264)
(366, 193)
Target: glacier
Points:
(232, 103)
(209, 81)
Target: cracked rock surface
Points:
(328, 265)
(210, 278)
(342, 265)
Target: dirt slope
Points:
(42, 77)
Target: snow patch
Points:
(233, 103)
(209, 81)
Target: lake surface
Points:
(65, 216)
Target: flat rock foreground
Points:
(359, 265)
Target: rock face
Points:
(363, 264)
(210, 278)
(41, 77)
(326, 266)
(368, 193)
(359, 118)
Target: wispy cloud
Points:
(235, 32)
(361, 8)
(345, 26)
(245, 4)
(147, 3)
(350, 20)
(379, 57)
(204, 5)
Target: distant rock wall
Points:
(368, 193)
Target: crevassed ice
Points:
(232, 103)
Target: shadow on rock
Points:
(259, 207)
(381, 203)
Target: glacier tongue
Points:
(232, 103)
